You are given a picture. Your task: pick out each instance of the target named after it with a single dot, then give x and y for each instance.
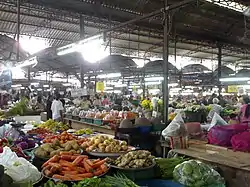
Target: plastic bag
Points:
(241, 142)
(4, 129)
(176, 128)
(217, 120)
(221, 135)
(193, 173)
(19, 169)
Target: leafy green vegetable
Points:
(119, 180)
(52, 184)
(166, 166)
(92, 182)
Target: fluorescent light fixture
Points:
(66, 49)
(173, 84)
(39, 89)
(234, 79)
(66, 84)
(30, 62)
(110, 75)
(16, 86)
(154, 78)
(46, 86)
(120, 85)
(34, 83)
(22, 88)
(152, 83)
(117, 91)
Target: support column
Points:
(82, 36)
(219, 67)
(165, 64)
(29, 73)
(18, 31)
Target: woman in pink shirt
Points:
(245, 111)
(105, 101)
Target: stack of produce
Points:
(87, 131)
(50, 149)
(39, 131)
(54, 126)
(25, 142)
(135, 159)
(19, 108)
(194, 173)
(72, 167)
(166, 166)
(63, 138)
(104, 144)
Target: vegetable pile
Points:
(135, 159)
(92, 182)
(104, 144)
(196, 174)
(54, 126)
(166, 166)
(50, 149)
(50, 183)
(25, 143)
(84, 131)
(73, 167)
(19, 108)
(39, 131)
(62, 138)
(119, 181)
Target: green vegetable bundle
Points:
(19, 108)
(92, 182)
(119, 181)
(197, 174)
(166, 166)
(52, 184)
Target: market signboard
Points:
(232, 89)
(100, 86)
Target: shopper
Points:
(97, 101)
(244, 115)
(48, 107)
(57, 109)
(215, 108)
(105, 101)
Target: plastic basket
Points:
(144, 129)
(88, 120)
(98, 121)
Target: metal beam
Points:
(219, 67)
(18, 31)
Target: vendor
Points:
(215, 108)
(244, 115)
(97, 101)
(48, 107)
(57, 109)
(85, 103)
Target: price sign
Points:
(232, 89)
(100, 86)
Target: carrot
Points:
(85, 175)
(87, 167)
(97, 160)
(78, 160)
(97, 164)
(47, 173)
(66, 164)
(104, 168)
(65, 153)
(98, 172)
(70, 172)
(80, 170)
(60, 177)
(89, 162)
(53, 159)
(74, 157)
(66, 169)
(66, 157)
(53, 169)
(47, 167)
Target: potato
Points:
(68, 147)
(108, 149)
(84, 145)
(97, 141)
(53, 153)
(78, 151)
(75, 146)
(73, 151)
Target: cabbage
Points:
(193, 173)
(31, 143)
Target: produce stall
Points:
(234, 166)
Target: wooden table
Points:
(235, 166)
(75, 124)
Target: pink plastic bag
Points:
(241, 142)
(221, 135)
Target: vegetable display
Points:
(50, 149)
(119, 181)
(25, 142)
(54, 126)
(50, 183)
(92, 182)
(84, 131)
(197, 174)
(19, 108)
(166, 166)
(39, 131)
(62, 138)
(104, 144)
(73, 167)
(135, 159)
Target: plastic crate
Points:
(158, 127)
(158, 182)
(137, 175)
(98, 121)
(144, 129)
(88, 120)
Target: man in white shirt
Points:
(57, 109)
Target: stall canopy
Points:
(156, 67)
(8, 49)
(225, 71)
(195, 68)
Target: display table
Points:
(75, 124)
(234, 166)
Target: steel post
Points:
(82, 36)
(165, 64)
(219, 67)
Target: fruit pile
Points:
(84, 131)
(39, 131)
(62, 138)
(73, 167)
(54, 126)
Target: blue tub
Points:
(144, 129)
(158, 183)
